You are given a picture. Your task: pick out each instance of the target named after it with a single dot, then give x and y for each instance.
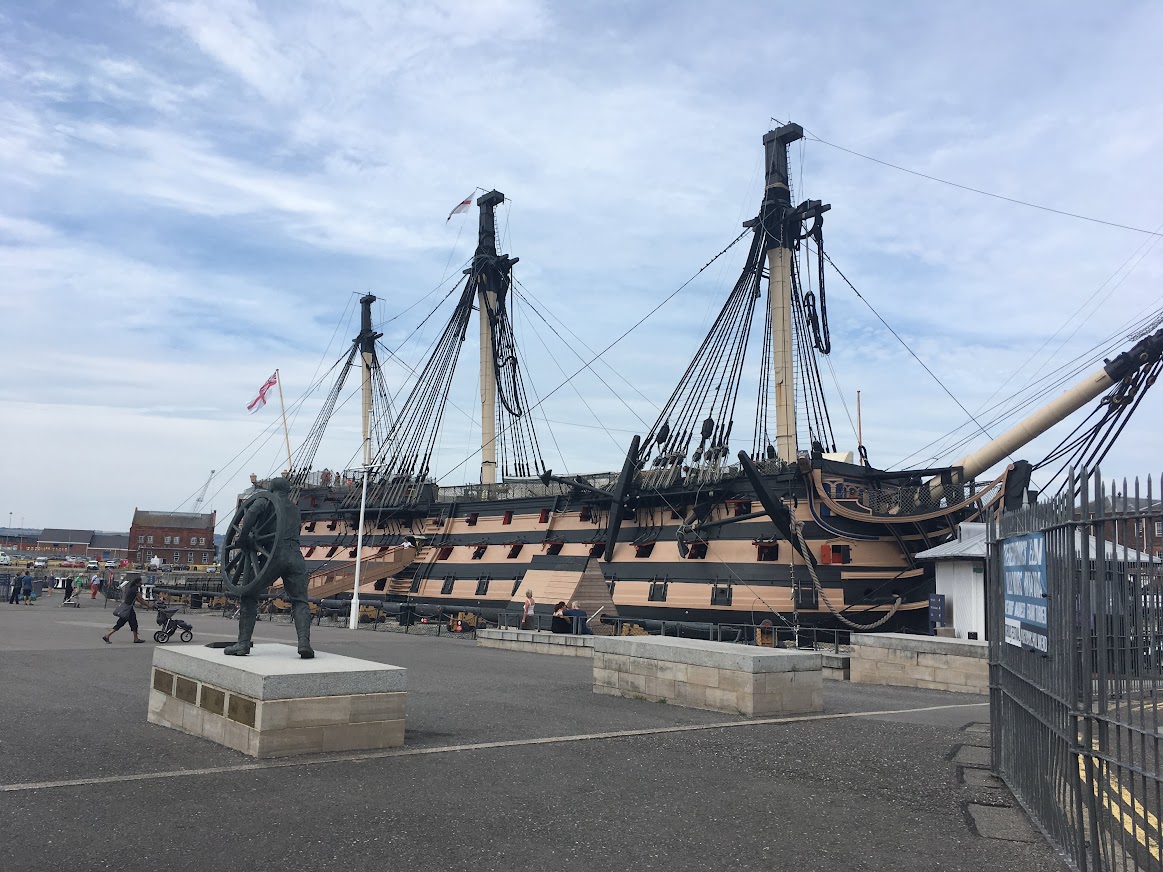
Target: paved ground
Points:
(508, 765)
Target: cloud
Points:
(197, 192)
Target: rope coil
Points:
(799, 528)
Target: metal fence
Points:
(1075, 619)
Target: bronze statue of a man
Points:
(287, 563)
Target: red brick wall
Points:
(140, 552)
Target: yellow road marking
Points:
(1125, 818)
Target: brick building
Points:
(174, 537)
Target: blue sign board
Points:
(1026, 605)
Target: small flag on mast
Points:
(261, 400)
(462, 206)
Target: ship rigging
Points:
(691, 527)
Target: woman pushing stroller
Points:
(125, 613)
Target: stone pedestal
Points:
(271, 703)
(720, 676)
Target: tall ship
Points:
(713, 515)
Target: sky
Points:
(195, 194)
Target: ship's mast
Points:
(776, 208)
(367, 345)
(489, 271)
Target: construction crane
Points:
(202, 493)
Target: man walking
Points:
(14, 590)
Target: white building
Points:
(961, 578)
(961, 574)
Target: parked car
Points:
(92, 564)
(213, 567)
(110, 564)
(5, 560)
(40, 563)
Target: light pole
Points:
(353, 618)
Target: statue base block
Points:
(271, 703)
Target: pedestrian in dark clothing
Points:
(68, 588)
(124, 612)
(26, 588)
(17, 586)
(580, 619)
(559, 623)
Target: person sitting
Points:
(560, 623)
(580, 619)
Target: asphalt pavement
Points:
(510, 762)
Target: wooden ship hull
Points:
(483, 546)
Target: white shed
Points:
(961, 574)
(961, 578)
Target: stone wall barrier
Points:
(958, 665)
(719, 676)
(536, 642)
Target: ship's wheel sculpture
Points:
(248, 552)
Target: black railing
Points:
(1076, 648)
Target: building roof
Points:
(110, 541)
(969, 545)
(183, 520)
(1120, 503)
(52, 536)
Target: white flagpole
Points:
(286, 432)
(353, 618)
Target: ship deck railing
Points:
(522, 488)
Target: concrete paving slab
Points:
(978, 740)
(971, 755)
(981, 778)
(1007, 824)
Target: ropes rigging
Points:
(1087, 448)
(697, 420)
(702, 404)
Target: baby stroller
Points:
(170, 625)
